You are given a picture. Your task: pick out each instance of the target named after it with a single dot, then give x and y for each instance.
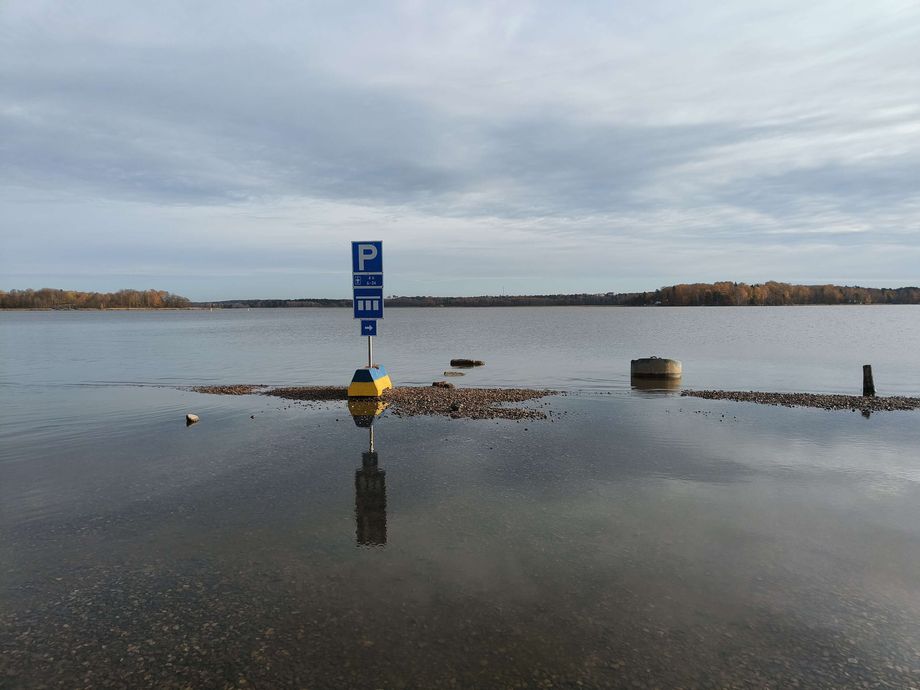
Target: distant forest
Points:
(723, 294)
(49, 298)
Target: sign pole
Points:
(370, 351)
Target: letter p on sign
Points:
(367, 257)
(366, 252)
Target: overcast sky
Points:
(233, 149)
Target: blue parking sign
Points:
(368, 327)
(368, 303)
(367, 257)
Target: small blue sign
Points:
(368, 303)
(367, 257)
(368, 327)
(368, 280)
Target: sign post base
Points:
(369, 382)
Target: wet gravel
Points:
(469, 403)
(236, 389)
(408, 401)
(827, 402)
(196, 624)
(309, 393)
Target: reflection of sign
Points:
(370, 480)
(368, 303)
(369, 327)
(364, 410)
(370, 502)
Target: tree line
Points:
(771, 294)
(273, 303)
(721, 294)
(50, 298)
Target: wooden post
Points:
(868, 385)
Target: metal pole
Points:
(370, 351)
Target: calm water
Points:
(638, 539)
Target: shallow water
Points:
(633, 539)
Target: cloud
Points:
(485, 138)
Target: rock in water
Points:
(442, 384)
(454, 373)
(466, 363)
(190, 419)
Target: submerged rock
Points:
(442, 384)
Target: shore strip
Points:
(409, 401)
(856, 403)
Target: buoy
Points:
(655, 368)
(369, 382)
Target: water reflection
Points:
(652, 385)
(370, 480)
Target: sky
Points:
(225, 149)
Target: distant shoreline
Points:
(66, 309)
(719, 294)
(347, 305)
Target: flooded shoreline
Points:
(633, 538)
(631, 544)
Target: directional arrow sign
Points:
(368, 327)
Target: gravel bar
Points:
(408, 401)
(469, 403)
(236, 389)
(310, 393)
(826, 402)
